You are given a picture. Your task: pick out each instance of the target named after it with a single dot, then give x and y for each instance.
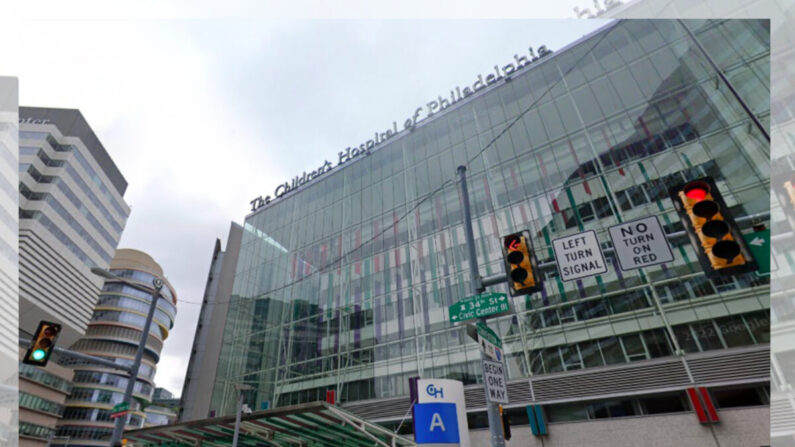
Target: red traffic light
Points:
(513, 242)
(696, 190)
(520, 265)
(714, 235)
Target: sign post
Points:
(640, 243)
(579, 256)
(476, 283)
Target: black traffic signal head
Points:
(717, 240)
(520, 264)
(42, 344)
(506, 427)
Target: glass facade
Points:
(345, 283)
(44, 378)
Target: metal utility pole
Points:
(495, 421)
(240, 388)
(157, 284)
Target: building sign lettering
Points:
(34, 121)
(420, 113)
(608, 5)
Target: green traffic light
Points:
(38, 354)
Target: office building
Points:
(9, 256)
(346, 272)
(114, 332)
(163, 410)
(203, 364)
(71, 215)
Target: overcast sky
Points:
(202, 115)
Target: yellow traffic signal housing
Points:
(789, 186)
(42, 344)
(717, 240)
(520, 264)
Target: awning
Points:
(313, 424)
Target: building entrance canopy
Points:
(307, 425)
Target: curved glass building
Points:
(114, 332)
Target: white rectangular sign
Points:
(579, 256)
(444, 391)
(489, 349)
(494, 376)
(640, 243)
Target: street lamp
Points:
(240, 387)
(157, 283)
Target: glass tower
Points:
(114, 333)
(344, 283)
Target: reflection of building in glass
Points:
(71, 215)
(114, 332)
(586, 138)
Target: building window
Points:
(35, 431)
(672, 403)
(740, 397)
(36, 403)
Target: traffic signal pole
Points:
(118, 427)
(495, 420)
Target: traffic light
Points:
(785, 192)
(42, 344)
(789, 187)
(506, 424)
(520, 264)
(717, 240)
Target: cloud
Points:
(171, 373)
(201, 116)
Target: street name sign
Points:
(640, 243)
(759, 244)
(489, 342)
(120, 410)
(579, 256)
(494, 376)
(479, 306)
